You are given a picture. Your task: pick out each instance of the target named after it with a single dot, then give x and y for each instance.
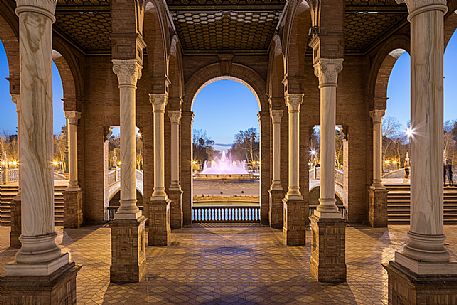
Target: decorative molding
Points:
(276, 116)
(327, 69)
(43, 7)
(159, 101)
(416, 7)
(128, 71)
(175, 116)
(294, 101)
(73, 117)
(16, 98)
(377, 115)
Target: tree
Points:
(246, 145)
(202, 146)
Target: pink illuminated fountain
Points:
(224, 166)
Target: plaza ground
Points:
(229, 264)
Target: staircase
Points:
(8, 192)
(398, 204)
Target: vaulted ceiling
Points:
(211, 26)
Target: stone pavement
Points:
(230, 264)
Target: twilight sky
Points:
(224, 107)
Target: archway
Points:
(226, 150)
(197, 81)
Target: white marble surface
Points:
(293, 103)
(175, 119)
(72, 119)
(128, 73)
(327, 71)
(276, 116)
(426, 238)
(159, 101)
(376, 116)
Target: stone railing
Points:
(9, 175)
(315, 174)
(114, 176)
(227, 214)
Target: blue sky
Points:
(224, 107)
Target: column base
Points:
(16, 229)
(159, 223)
(377, 206)
(294, 222)
(275, 212)
(73, 208)
(408, 288)
(328, 250)
(56, 289)
(176, 217)
(128, 250)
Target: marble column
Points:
(175, 192)
(128, 228)
(40, 262)
(377, 191)
(128, 73)
(276, 191)
(159, 224)
(327, 226)
(422, 271)
(73, 214)
(293, 204)
(15, 206)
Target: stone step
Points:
(8, 192)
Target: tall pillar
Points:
(42, 271)
(264, 157)
(128, 227)
(328, 228)
(276, 191)
(73, 213)
(293, 204)
(422, 272)
(175, 192)
(377, 192)
(159, 223)
(186, 165)
(15, 224)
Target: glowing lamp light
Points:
(119, 163)
(313, 152)
(14, 163)
(409, 132)
(55, 163)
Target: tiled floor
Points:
(233, 265)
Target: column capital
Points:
(175, 116)
(73, 117)
(294, 101)
(43, 7)
(376, 115)
(16, 100)
(128, 71)
(327, 69)
(416, 7)
(159, 101)
(276, 116)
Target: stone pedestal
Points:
(275, 212)
(128, 250)
(328, 250)
(159, 223)
(73, 208)
(294, 222)
(175, 197)
(409, 288)
(59, 288)
(377, 206)
(15, 231)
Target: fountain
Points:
(224, 168)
